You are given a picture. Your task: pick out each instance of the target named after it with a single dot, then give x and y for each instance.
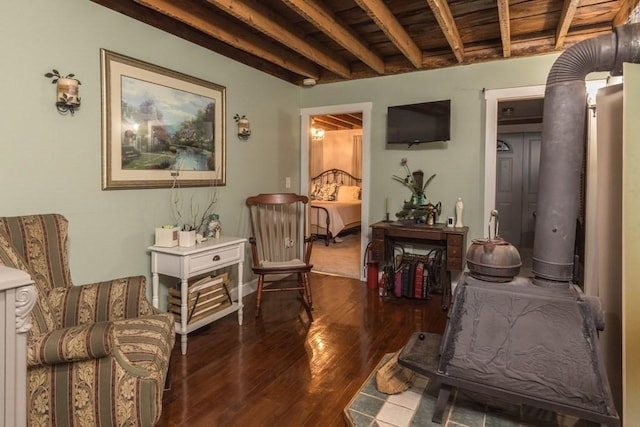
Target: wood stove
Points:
(534, 341)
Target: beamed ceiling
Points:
(340, 40)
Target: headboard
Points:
(338, 176)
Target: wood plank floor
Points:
(279, 370)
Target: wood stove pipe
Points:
(562, 150)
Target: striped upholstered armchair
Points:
(97, 354)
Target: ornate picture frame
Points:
(160, 128)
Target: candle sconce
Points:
(68, 94)
(244, 132)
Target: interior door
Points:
(530, 175)
(509, 186)
(518, 166)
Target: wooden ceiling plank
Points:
(200, 18)
(505, 27)
(442, 13)
(626, 8)
(262, 19)
(327, 22)
(568, 11)
(388, 23)
(186, 32)
(338, 121)
(345, 121)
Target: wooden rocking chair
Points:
(280, 245)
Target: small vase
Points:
(214, 227)
(459, 208)
(419, 199)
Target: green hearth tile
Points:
(501, 420)
(467, 416)
(367, 405)
(467, 410)
(360, 420)
(502, 414)
(371, 389)
(424, 411)
(537, 416)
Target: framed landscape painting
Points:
(160, 128)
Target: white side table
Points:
(184, 263)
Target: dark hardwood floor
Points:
(279, 370)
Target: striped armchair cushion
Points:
(42, 242)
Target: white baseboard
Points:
(249, 287)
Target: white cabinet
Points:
(184, 263)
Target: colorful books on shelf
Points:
(205, 296)
(412, 279)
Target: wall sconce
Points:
(243, 126)
(68, 93)
(317, 134)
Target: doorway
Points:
(492, 99)
(305, 143)
(513, 110)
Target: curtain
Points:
(356, 160)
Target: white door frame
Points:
(492, 97)
(305, 119)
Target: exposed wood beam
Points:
(441, 11)
(344, 121)
(264, 20)
(568, 11)
(626, 8)
(353, 118)
(505, 27)
(325, 122)
(187, 32)
(388, 23)
(328, 23)
(473, 55)
(202, 19)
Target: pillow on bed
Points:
(327, 192)
(315, 191)
(347, 193)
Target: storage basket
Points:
(206, 296)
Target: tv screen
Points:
(416, 123)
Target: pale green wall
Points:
(459, 164)
(52, 163)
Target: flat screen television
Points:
(417, 123)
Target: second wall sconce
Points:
(68, 93)
(244, 132)
(317, 134)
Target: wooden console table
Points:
(184, 263)
(386, 233)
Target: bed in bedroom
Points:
(335, 204)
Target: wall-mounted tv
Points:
(417, 123)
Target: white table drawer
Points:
(210, 260)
